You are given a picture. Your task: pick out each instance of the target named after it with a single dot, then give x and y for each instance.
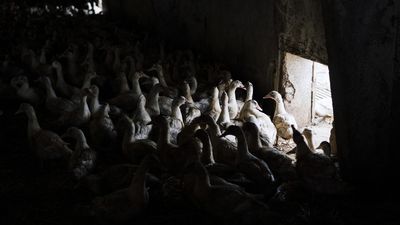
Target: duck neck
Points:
(214, 130)
(124, 87)
(161, 78)
(302, 150)
(202, 184)
(137, 188)
(215, 106)
(51, 94)
(232, 95)
(243, 150)
(152, 102)
(87, 81)
(129, 135)
(280, 107)
(81, 142)
(33, 123)
(60, 78)
(310, 142)
(224, 116)
(84, 106)
(207, 157)
(94, 104)
(176, 112)
(141, 114)
(188, 94)
(136, 86)
(253, 140)
(249, 94)
(163, 137)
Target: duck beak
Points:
(268, 96)
(150, 123)
(259, 108)
(19, 111)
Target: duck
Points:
(152, 105)
(308, 133)
(317, 172)
(215, 109)
(101, 128)
(46, 144)
(56, 105)
(80, 116)
(128, 100)
(62, 87)
(254, 168)
(72, 54)
(233, 106)
(171, 156)
(24, 91)
(83, 159)
(282, 119)
(252, 111)
(133, 149)
(249, 95)
(227, 203)
(281, 165)
(171, 92)
(325, 147)
(126, 204)
(176, 122)
(225, 150)
(224, 118)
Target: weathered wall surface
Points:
(361, 42)
(302, 30)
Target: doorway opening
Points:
(307, 95)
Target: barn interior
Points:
(199, 111)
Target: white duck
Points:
(252, 111)
(46, 144)
(282, 119)
(233, 106)
(24, 91)
(84, 158)
(214, 110)
(224, 119)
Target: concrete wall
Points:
(299, 77)
(363, 49)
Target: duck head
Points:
(297, 137)
(203, 119)
(233, 130)
(254, 104)
(19, 81)
(274, 95)
(24, 108)
(202, 135)
(326, 147)
(56, 65)
(250, 127)
(138, 76)
(237, 84)
(159, 120)
(93, 91)
(308, 132)
(72, 132)
(179, 101)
